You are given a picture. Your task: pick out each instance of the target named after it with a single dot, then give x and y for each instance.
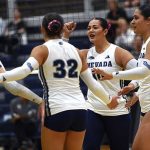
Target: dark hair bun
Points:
(54, 26)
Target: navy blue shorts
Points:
(74, 120)
(117, 129)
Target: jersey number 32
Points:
(63, 69)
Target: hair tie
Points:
(53, 22)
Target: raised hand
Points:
(69, 27)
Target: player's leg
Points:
(94, 131)
(141, 141)
(74, 140)
(52, 140)
(118, 131)
(54, 131)
(75, 135)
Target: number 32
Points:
(61, 71)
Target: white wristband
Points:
(121, 100)
(137, 94)
(135, 83)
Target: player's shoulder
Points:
(148, 44)
(39, 47)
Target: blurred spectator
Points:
(24, 118)
(125, 34)
(131, 3)
(2, 26)
(14, 34)
(99, 4)
(145, 2)
(137, 45)
(115, 12)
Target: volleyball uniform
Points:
(60, 78)
(105, 61)
(144, 84)
(101, 119)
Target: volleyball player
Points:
(60, 65)
(141, 26)
(115, 123)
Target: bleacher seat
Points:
(80, 42)
(2, 97)
(37, 7)
(8, 97)
(38, 91)
(4, 109)
(7, 60)
(3, 8)
(26, 49)
(33, 82)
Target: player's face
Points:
(94, 31)
(138, 22)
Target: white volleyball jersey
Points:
(144, 90)
(105, 61)
(60, 78)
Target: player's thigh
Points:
(146, 119)
(52, 140)
(118, 131)
(76, 132)
(94, 132)
(141, 141)
(74, 140)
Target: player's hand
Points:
(126, 89)
(131, 101)
(103, 75)
(114, 102)
(69, 27)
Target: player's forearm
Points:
(20, 72)
(136, 73)
(132, 74)
(22, 91)
(95, 87)
(131, 64)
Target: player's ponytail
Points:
(53, 24)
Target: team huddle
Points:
(69, 121)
